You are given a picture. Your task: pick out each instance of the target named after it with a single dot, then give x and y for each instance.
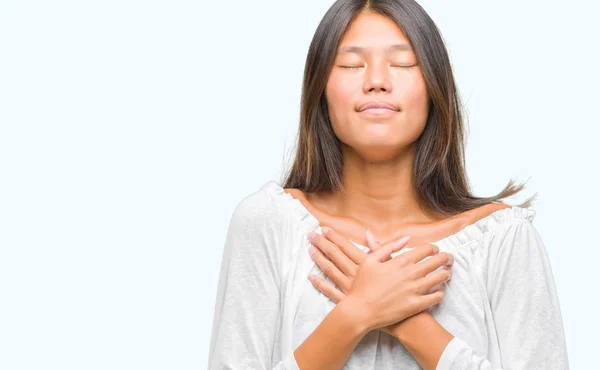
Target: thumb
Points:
(384, 253)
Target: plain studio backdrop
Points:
(130, 130)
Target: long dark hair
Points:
(439, 166)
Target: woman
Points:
(380, 157)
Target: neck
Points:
(380, 194)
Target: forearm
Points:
(329, 346)
(424, 338)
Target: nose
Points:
(377, 79)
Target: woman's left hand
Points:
(338, 258)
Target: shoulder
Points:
(257, 228)
(480, 213)
(273, 209)
(296, 193)
(482, 220)
(489, 223)
(264, 205)
(504, 219)
(512, 236)
(515, 249)
(495, 217)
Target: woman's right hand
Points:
(385, 291)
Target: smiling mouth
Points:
(378, 111)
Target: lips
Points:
(377, 106)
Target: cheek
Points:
(416, 108)
(414, 97)
(340, 94)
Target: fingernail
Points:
(404, 239)
(325, 230)
(312, 250)
(311, 235)
(450, 259)
(311, 277)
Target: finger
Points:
(330, 270)
(374, 244)
(335, 255)
(383, 253)
(417, 254)
(345, 245)
(430, 281)
(431, 264)
(429, 300)
(327, 289)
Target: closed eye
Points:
(393, 66)
(403, 66)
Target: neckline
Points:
(464, 236)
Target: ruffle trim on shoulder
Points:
(488, 224)
(295, 205)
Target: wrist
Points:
(356, 314)
(405, 329)
(424, 338)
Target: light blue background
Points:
(129, 131)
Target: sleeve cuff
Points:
(450, 354)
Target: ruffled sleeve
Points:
(248, 304)
(523, 299)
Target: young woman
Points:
(380, 157)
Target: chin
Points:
(382, 131)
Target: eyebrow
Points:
(361, 50)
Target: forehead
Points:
(372, 30)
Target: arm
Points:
(424, 338)
(525, 306)
(247, 308)
(332, 342)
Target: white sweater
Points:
(501, 304)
